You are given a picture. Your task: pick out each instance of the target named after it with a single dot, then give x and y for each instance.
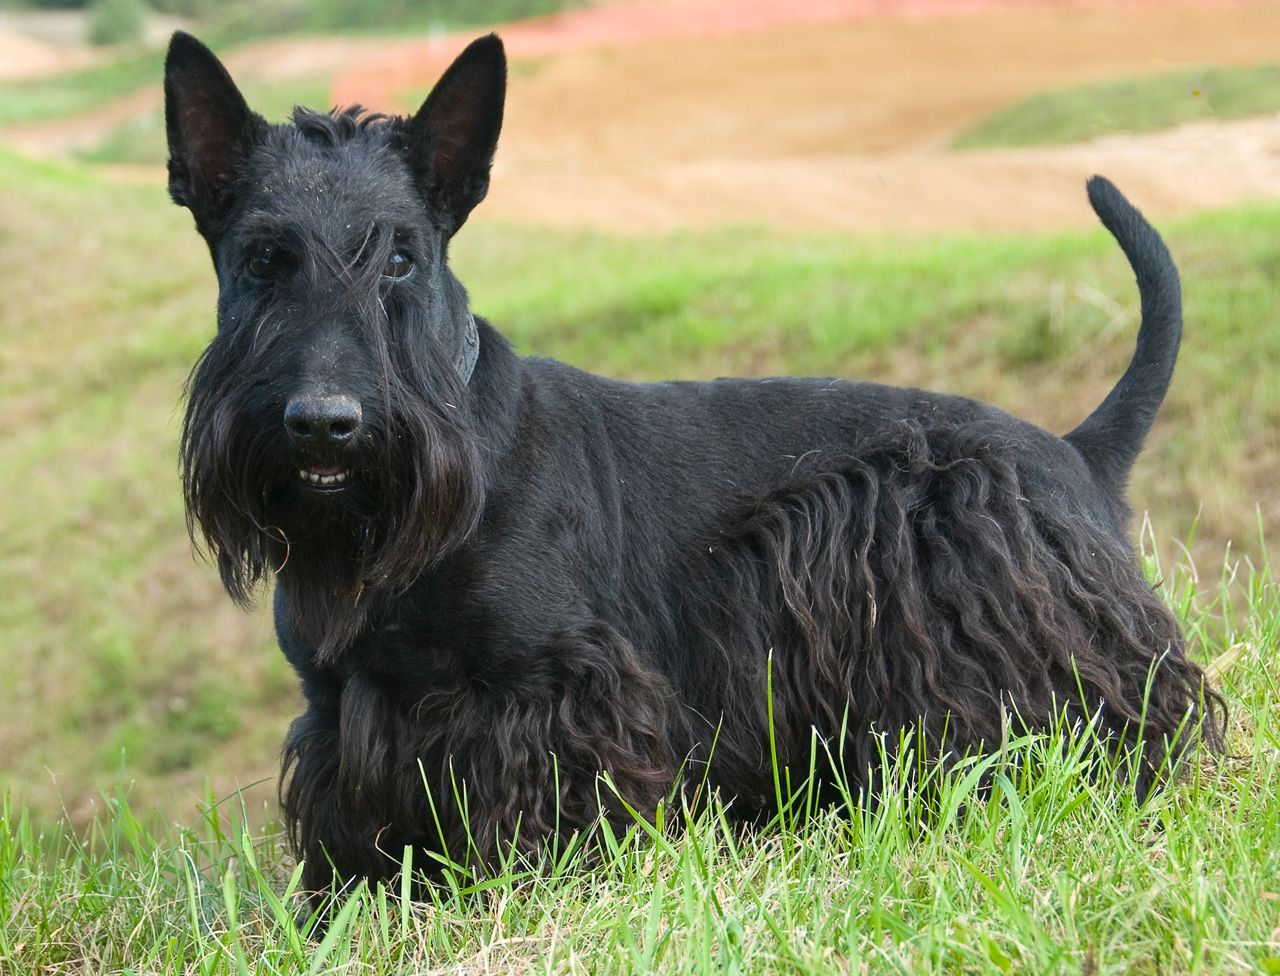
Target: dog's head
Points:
(329, 420)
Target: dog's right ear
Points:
(210, 127)
(453, 136)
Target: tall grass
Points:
(1033, 859)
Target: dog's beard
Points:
(415, 494)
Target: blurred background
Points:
(690, 188)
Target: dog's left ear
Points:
(209, 126)
(452, 138)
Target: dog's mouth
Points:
(326, 477)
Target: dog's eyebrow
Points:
(376, 236)
(265, 226)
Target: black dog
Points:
(500, 577)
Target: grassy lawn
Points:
(1144, 104)
(75, 92)
(124, 663)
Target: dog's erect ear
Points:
(452, 138)
(210, 127)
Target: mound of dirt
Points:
(25, 57)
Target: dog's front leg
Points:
(482, 776)
(336, 795)
(579, 732)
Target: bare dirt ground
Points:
(824, 114)
(836, 113)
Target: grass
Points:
(75, 92)
(348, 14)
(1056, 869)
(1142, 104)
(120, 652)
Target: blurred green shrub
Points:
(116, 21)
(43, 4)
(333, 14)
(242, 19)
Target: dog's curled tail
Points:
(1111, 437)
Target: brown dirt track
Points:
(651, 116)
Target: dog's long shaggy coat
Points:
(500, 577)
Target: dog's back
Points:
(730, 438)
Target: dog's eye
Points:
(398, 265)
(268, 262)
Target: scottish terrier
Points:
(520, 597)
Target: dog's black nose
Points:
(322, 420)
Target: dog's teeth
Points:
(316, 478)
